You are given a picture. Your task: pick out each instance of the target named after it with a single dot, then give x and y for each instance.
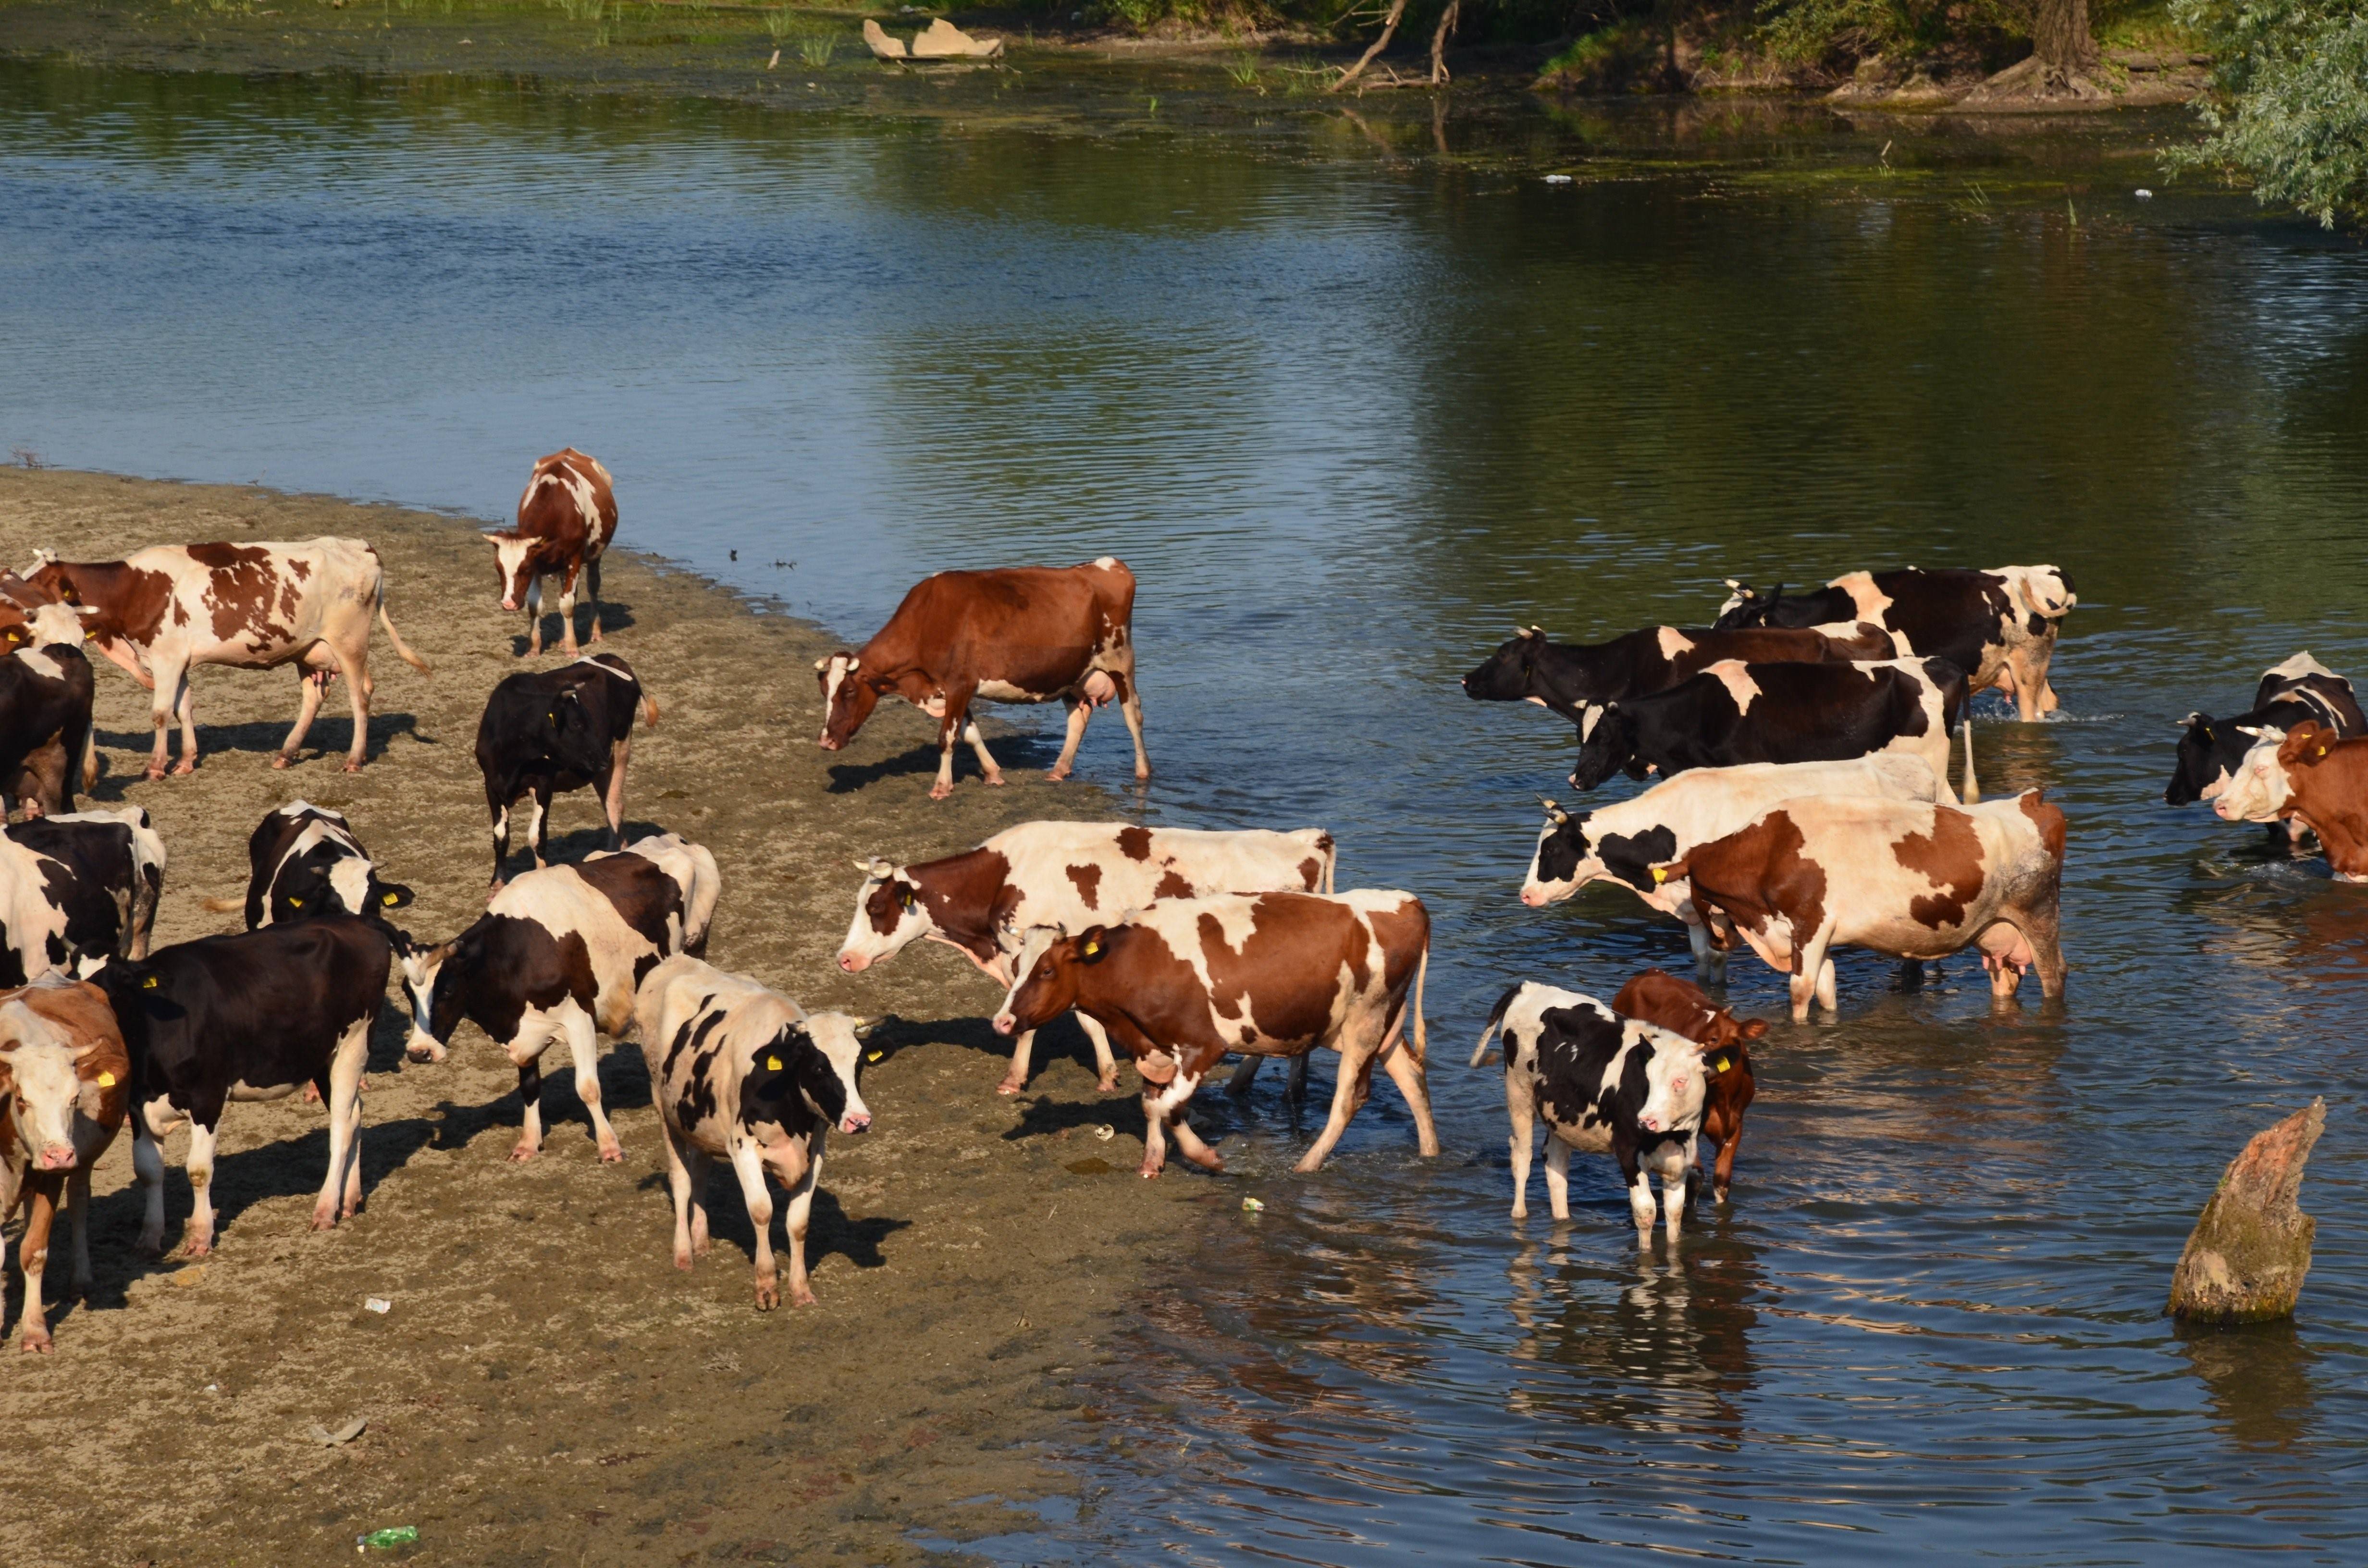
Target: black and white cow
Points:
(45, 690)
(1603, 1085)
(555, 957)
(304, 859)
(2000, 627)
(2211, 750)
(106, 903)
(743, 1074)
(1576, 681)
(551, 731)
(1735, 713)
(252, 1016)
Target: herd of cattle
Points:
(1801, 746)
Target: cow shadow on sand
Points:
(614, 618)
(830, 1230)
(327, 742)
(1016, 752)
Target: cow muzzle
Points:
(508, 603)
(1649, 1123)
(852, 963)
(1535, 897)
(855, 1121)
(56, 1157)
(827, 743)
(1005, 1023)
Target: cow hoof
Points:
(153, 772)
(1108, 1083)
(327, 1222)
(1010, 1087)
(614, 1154)
(37, 1342)
(801, 1297)
(196, 1246)
(150, 1246)
(1718, 1195)
(521, 1152)
(184, 768)
(1207, 1159)
(1521, 1211)
(940, 791)
(1058, 775)
(995, 780)
(280, 761)
(1142, 774)
(768, 1298)
(682, 1261)
(352, 766)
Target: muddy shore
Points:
(547, 1387)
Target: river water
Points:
(1355, 397)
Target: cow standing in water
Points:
(1023, 634)
(566, 516)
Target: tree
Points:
(2291, 102)
(2062, 43)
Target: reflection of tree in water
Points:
(2258, 1379)
(1654, 1346)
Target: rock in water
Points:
(2252, 1247)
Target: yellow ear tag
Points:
(1090, 949)
(774, 1063)
(1719, 1065)
(149, 983)
(875, 1056)
(2322, 751)
(386, 897)
(1660, 874)
(107, 1080)
(295, 904)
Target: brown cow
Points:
(46, 688)
(161, 611)
(1022, 634)
(2310, 775)
(65, 1084)
(1659, 997)
(566, 516)
(1187, 980)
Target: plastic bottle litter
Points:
(1557, 179)
(376, 1305)
(1252, 1206)
(393, 1535)
(2145, 195)
(1105, 1133)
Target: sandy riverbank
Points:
(548, 1388)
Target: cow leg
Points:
(501, 813)
(1677, 1171)
(199, 1239)
(1244, 1074)
(1105, 1064)
(355, 667)
(308, 704)
(749, 1166)
(344, 1098)
(1557, 1176)
(186, 709)
(679, 1185)
(33, 1256)
(584, 1045)
(796, 1215)
(1189, 1144)
(948, 727)
(534, 616)
(1129, 703)
(1826, 985)
(592, 581)
(568, 612)
(701, 1167)
(1407, 1074)
(1640, 1195)
(148, 1168)
(1014, 1078)
(1079, 711)
(530, 1138)
(1356, 1082)
(1521, 1114)
(613, 799)
(1155, 1133)
(1722, 1172)
(535, 833)
(1811, 975)
(977, 739)
(165, 697)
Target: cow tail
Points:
(649, 708)
(1972, 791)
(1496, 1019)
(222, 905)
(89, 758)
(414, 660)
(1421, 1033)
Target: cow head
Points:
(1508, 674)
(435, 1002)
(2201, 772)
(1572, 852)
(847, 698)
(1675, 1078)
(1607, 748)
(889, 913)
(45, 626)
(41, 1092)
(1746, 606)
(2259, 789)
(517, 564)
(1047, 967)
(817, 1061)
(331, 878)
(2041, 591)
(572, 738)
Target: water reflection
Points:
(2258, 1379)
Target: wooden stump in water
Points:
(2245, 1261)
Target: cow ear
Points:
(1752, 1028)
(393, 895)
(1093, 942)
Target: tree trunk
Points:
(2060, 39)
(1389, 31)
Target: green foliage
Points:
(1610, 56)
(1808, 32)
(2291, 111)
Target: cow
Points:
(252, 1016)
(548, 732)
(1621, 842)
(304, 859)
(1903, 877)
(1602, 1085)
(566, 516)
(162, 611)
(2000, 627)
(66, 1082)
(743, 1074)
(2313, 775)
(1575, 682)
(1661, 999)
(1185, 980)
(1735, 713)
(2211, 750)
(1069, 874)
(82, 882)
(556, 956)
(46, 690)
(1022, 634)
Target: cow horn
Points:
(2190, 721)
(822, 664)
(42, 557)
(866, 1027)
(1734, 585)
(1553, 811)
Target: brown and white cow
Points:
(2312, 775)
(65, 1085)
(566, 516)
(46, 690)
(1901, 876)
(1182, 983)
(162, 611)
(1021, 634)
(742, 1074)
(1661, 998)
(1069, 874)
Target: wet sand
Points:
(547, 1386)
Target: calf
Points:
(2314, 776)
(1623, 842)
(1602, 1085)
(2211, 750)
(161, 612)
(253, 1016)
(1182, 983)
(1024, 634)
(1735, 713)
(558, 729)
(64, 1085)
(1914, 880)
(745, 1075)
(45, 690)
(1575, 682)
(567, 517)
(303, 859)
(1069, 874)
(556, 956)
(1666, 1002)
(105, 901)
(2000, 627)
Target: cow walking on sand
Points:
(566, 516)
